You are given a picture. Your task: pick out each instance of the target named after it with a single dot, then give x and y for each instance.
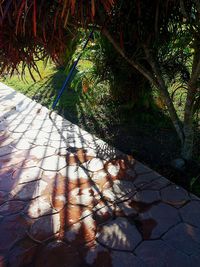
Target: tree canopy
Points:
(32, 30)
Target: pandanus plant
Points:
(36, 29)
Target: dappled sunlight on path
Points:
(69, 199)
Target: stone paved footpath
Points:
(67, 199)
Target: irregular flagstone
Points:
(52, 163)
(128, 259)
(42, 151)
(11, 207)
(3, 197)
(125, 209)
(12, 229)
(195, 260)
(98, 256)
(75, 174)
(6, 181)
(36, 134)
(157, 253)
(190, 213)
(81, 232)
(85, 197)
(29, 190)
(27, 175)
(119, 234)
(23, 254)
(5, 150)
(140, 168)
(147, 196)
(80, 156)
(103, 211)
(45, 227)
(94, 165)
(57, 254)
(69, 215)
(157, 220)
(22, 144)
(174, 195)
(119, 190)
(100, 178)
(142, 180)
(184, 237)
(39, 207)
(157, 184)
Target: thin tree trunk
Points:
(165, 94)
(158, 83)
(187, 147)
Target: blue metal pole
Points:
(66, 83)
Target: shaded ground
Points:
(69, 199)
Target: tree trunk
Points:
(188, 128)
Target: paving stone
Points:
(3, 196)
(11, 207)
(23, 253)
(57, 254)
(5, 150)
(22, 145)
(42, 151)
(98, 256)
(190, 213)
(53, 163)
(157, 220)
(11, 159)
(94, 165)
(71, 214)
(36, 134)
(29, 190)
(113, 169)
(84, 197)
(124, 209)
(75, 174)
(147, 196)
(39, 207)
(12, 229)
(3, 261)
(27, 175)
(142, 180)
(174, 195)
(103, 211)
(100, 178)
(45, 227)
(78, 157)
(157, 254)
(140, 168)
(125, 259)
(6, 181)
(119, 234)
(184, 237)
(157, 184)
(7, 142)
(81, 232)
(195, 260)
(21, 128)
(119, 191)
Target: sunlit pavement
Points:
(67, 199)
